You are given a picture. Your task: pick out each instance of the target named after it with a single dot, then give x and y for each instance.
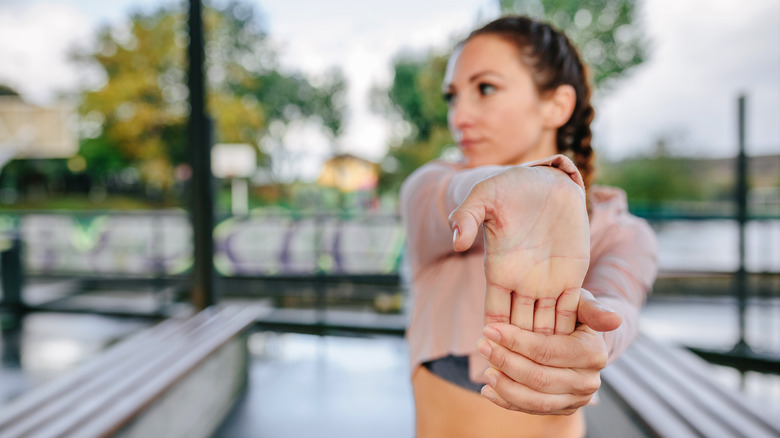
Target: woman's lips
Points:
(469, 143)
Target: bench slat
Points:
(35, 399)
(729, 412)
(80, 390)
(678, 403)
(669, 391)
(130, 374)
(633, 393)
(120, 413)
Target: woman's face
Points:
(496, 115)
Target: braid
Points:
(553, 62)
(580, 149)
(574, 137)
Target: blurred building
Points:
(349, 173)
(43, 143)
(31, 131)
(353, 177)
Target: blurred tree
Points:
(652, 180)
(414, 100)
(137, 118)
(605, 31)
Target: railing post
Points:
(200, 136)
(742, 217)
(12, 275)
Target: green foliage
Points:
(288, 97)
(653, 180)
(416, 96)
(416, 91)
(605, 31)
(102, 157)
(141, 110)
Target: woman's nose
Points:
(461, 113)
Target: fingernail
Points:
(455, 235)
(484, 348)
(490, 376)
(489, 393)
(491, 333)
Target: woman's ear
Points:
(560, 106)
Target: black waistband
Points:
(454, 369)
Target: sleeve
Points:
(427, 198)
(622, 276)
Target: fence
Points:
(148, 244)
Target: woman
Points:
(518, 93)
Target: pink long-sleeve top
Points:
(448, 288)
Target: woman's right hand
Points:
(537, 245)
(547, 375)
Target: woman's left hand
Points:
(547, 374)
(537, 244)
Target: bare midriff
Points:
(447, 410)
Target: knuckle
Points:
(515, 344)
(541, 353)
(539, 379)
(543, 405)
(546, 303)
(566, 313)
(498, 358)
(491, 318)
(545, 330)
(599, 361)
(580, 403)
(591, 384)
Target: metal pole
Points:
(742, 216)
(12, 276)
(203, 288)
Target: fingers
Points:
(566, 311)
(544, 316)
(583, 349)
(498, 303)
(509, 394)
(594, 315)
(540, 378)
(522, 313)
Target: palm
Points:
(536, 248)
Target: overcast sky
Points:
(704, 53)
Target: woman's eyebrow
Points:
(450, 87)
(482, 73)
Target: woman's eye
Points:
(487, 89)
(448, 97)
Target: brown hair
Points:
(553, 62)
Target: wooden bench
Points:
(178, 378)
(655, 390)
